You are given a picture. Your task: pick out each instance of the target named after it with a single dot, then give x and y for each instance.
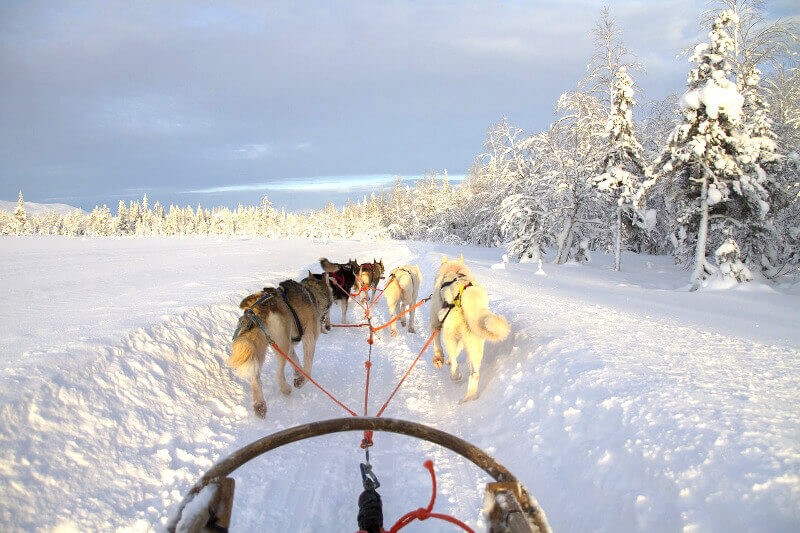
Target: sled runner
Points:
(507, 504)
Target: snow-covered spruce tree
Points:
(19, 219)
(730, 263)
(709, 158)
(622, 163)
(122, 222)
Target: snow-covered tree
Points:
(610, 55)
(19, 219)
(709, 158)
(570, 152)
(622, 163)
(123, 223)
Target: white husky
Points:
(402, 290)
(460, 307)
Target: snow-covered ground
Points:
(621, 401)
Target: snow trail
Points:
(618, 410)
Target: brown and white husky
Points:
(460, 307)
(290, 314)
(369, 276)
(402, 291)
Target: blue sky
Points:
(220, 103)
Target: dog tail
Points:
(479, 319)
(247, 353)
(327, 266)
(250, 347)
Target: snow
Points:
(715, 99)
(621, 402)
(32, 208)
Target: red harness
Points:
(337, 278)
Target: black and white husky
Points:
(342, 279)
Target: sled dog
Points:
(460, 307)
(343, 277)
(369, 275)
(291, 313)
(402, 290)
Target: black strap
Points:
(294, 314)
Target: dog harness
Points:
(294, 314)
(249, 318)
(337, 278)
(373, 268)
(456, 301)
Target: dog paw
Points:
(467, 398)
(299, 381)
(403, 323)
(286, 390)
(438, 360)
(394, 333)
(456, 376)
(260, 408)
(412, 330)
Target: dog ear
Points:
(444, 259)
(250, 300)
(461, 259)
(310, 275)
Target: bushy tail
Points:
(327, 266)
(480, 320)
(247, 353)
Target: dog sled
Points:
(209, 504)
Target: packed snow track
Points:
(622, 402)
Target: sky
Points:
(307, 102)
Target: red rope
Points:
(430, 340)
(353, 296)
(381, 292)
(425, 513)
(401, 314)
(309, 378)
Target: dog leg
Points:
(453, 348)
(309, 344)
(393, 310)
(474, 347)
(402, 309)
(299, 379)
(344, 310)
(259, 404)
(280, 369)
(414, 295)
(438, 357)
(327, 319)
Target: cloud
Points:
(365, 183)
(253, 151)
(118, 94)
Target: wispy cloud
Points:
(364, 183)
(253, 151)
